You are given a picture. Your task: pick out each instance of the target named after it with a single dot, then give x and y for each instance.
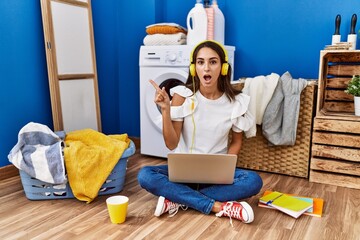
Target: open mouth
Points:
(207, 77)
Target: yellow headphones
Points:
(224, 67)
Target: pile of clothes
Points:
(275, 104)
(84, 157)
(165, 34)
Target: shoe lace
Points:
(231, 211)
(174, 208)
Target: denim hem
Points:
(210, 206)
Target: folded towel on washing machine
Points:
(165, 39)
(165, 28)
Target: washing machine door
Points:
(163, 79)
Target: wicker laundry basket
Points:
(294, 160)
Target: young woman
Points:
(198, 119)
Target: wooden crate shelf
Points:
(335, 179)
(335, 154)
(335, 71)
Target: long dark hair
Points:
(224, 84)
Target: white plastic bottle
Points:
(219, 23)
(196, 24)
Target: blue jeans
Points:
(201, 197)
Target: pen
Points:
(272, 200)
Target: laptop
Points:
(202, 168)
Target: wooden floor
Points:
(21, 218)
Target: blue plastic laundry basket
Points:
(38, 190)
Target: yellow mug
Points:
(117, 208)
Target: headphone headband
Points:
(225, 65)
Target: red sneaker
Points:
(237, 210)
(165, 205)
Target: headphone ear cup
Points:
(224, 69)
(192, 70)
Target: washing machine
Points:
(168, 66)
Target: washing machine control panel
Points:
(176, 58)
(165, 56)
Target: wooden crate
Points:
(335, 156)
(256, 154)
(335, 71)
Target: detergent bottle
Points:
(219, 23)
(196, 24)
(210, 19)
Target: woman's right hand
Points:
(171, 129)
(162, 99)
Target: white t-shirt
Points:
(211, 120)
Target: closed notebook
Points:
(287, 204)
(315, 211)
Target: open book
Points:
(315, 211)
(288, 204)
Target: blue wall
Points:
(24, 91)
(270, 36)
(281, 35)
(106, 44)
